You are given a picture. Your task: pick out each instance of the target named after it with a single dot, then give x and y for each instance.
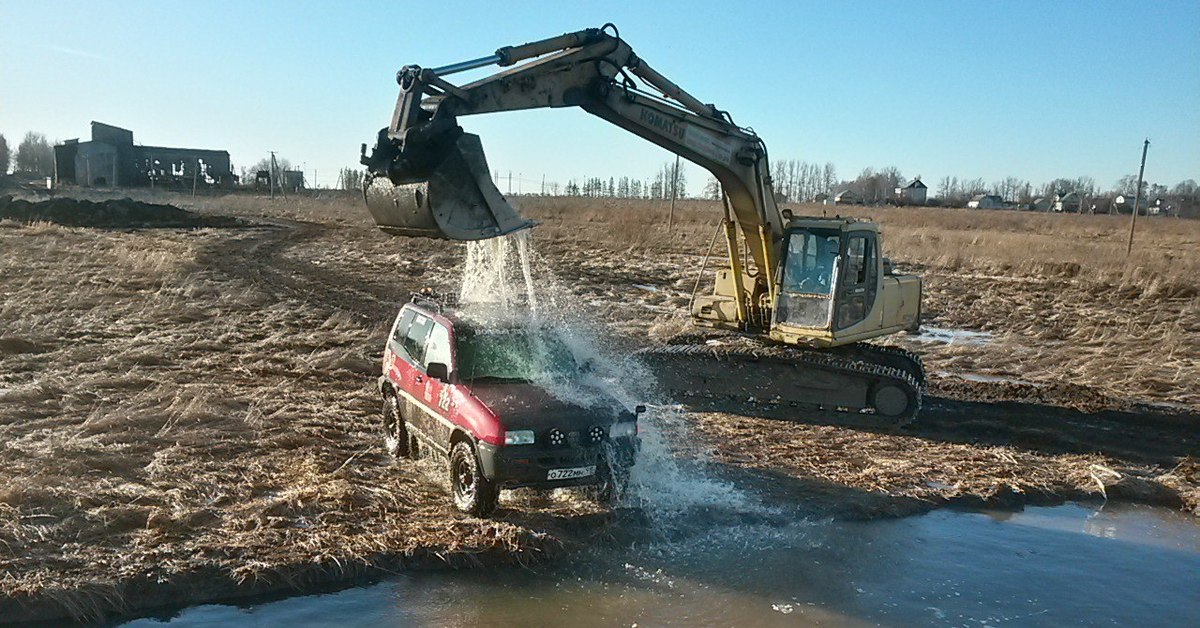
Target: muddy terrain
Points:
(188, 414)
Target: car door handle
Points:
(420, 379)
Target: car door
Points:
(394, 355)
(436, 393)
(413, 376)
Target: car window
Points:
(402, 325)
(437, 348)
(414, 340)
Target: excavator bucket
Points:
(457, 201)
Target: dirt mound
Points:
(111, 214)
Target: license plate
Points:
(571, 474)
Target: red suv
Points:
(477, 393)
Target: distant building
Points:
(912, 194)
(985, 201)
(111, 158)
(1068, 202)
(1123, 204)
(1041, 204)
(847, 197)
(821, 198)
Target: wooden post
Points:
(674, 193)
(1137, 197)
(195, 174)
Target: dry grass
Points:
(159, 418)
(197, 404)
(1058, 294)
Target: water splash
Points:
(504, 279)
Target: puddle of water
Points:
(953, 336)
(1125, 565)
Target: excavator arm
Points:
(435, 168)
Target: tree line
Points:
(34, 155)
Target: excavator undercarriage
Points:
(862, 385)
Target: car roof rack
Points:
(430, 298)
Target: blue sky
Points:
(1036, 90)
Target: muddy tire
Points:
(472, 493)
(612, 483)
(395, 434)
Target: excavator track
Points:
(859, 385)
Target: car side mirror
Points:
(438, 370)
(639, 409)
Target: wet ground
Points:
(1074, 564)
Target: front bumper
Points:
(516, 466)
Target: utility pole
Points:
(674, 193)
(1137, 197)
(271, 176)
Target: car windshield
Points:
(513, 354)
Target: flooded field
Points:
(1073, 564)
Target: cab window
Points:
(414, 340)
(856, 266)
(437, 348)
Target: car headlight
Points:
(518, 437)
(619, 430)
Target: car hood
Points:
(523, 405)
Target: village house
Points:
(985, 201)
(912, 194)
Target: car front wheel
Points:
(395, 434)
(473, 493)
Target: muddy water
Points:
(1071, 564)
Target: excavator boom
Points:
(423, 152)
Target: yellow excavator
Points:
(796, 308)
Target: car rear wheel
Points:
(395, 434)
(613, 479)
(473, 493)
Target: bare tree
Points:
(35, 155)
(4, 155)
(712, 189)
(351, 178)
